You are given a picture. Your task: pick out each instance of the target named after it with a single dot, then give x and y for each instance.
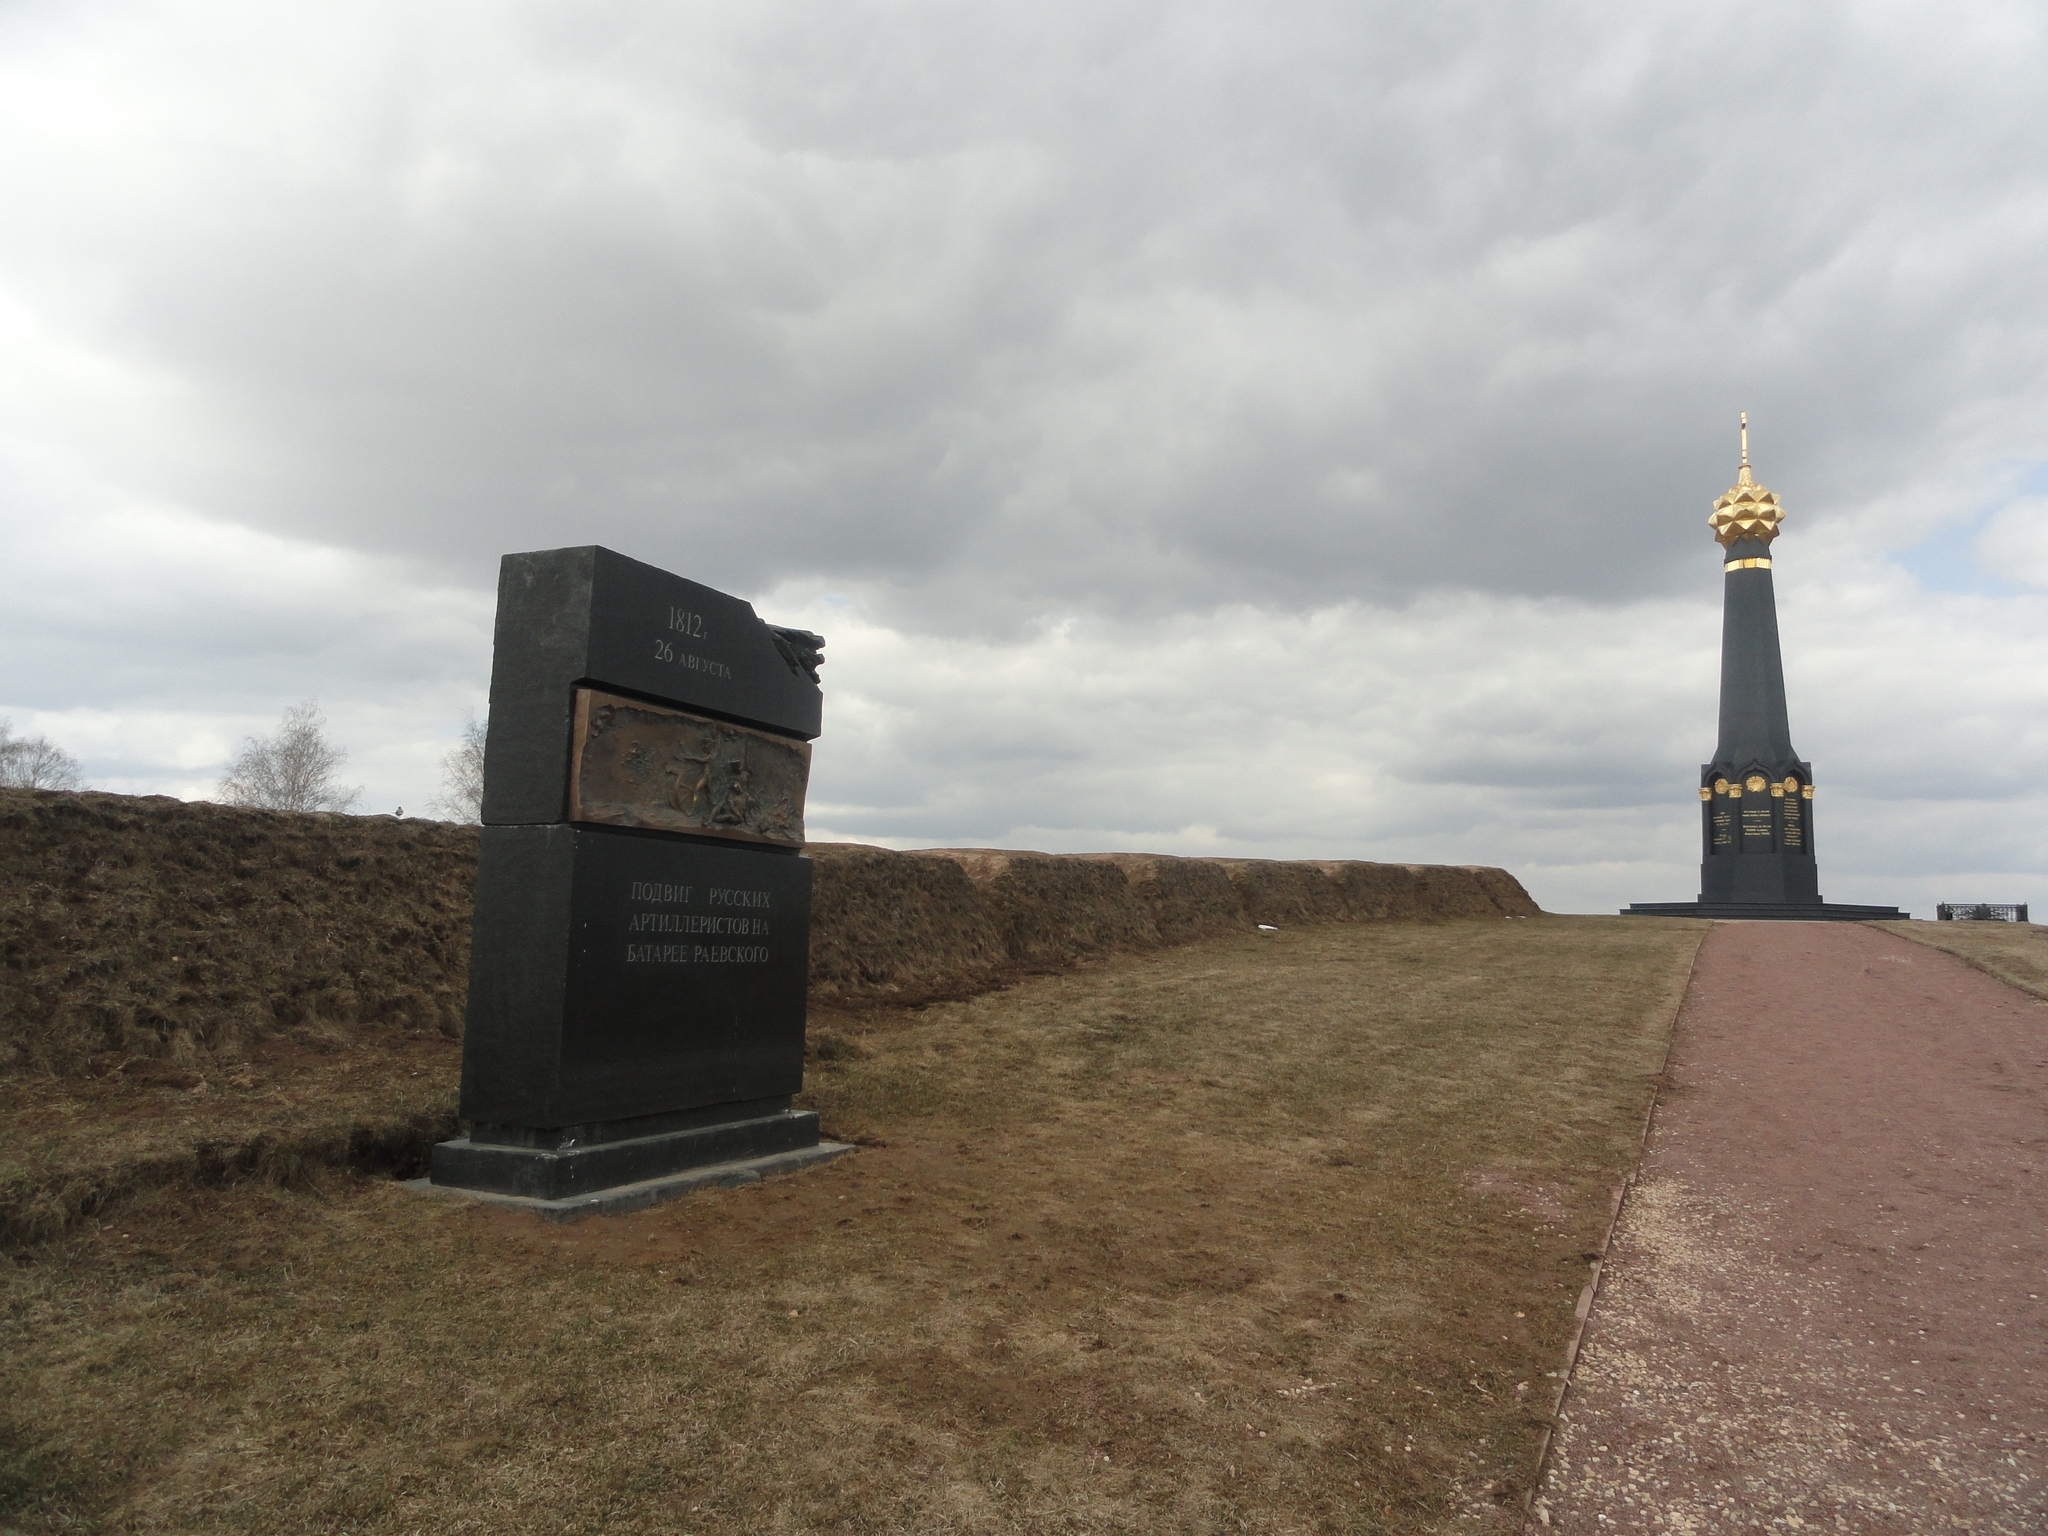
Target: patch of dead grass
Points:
(1273, 1233)
(2016, 953)
(145, 927)
(377, 1100)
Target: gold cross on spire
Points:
(1745, 439)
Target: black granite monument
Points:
(639, 959)
(1756, 796)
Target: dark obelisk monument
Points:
(640, 953)
(1756, 796)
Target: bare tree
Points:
(292, 770)
(462, 775)
(34, 762)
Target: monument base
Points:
(567, 1166)
(637, 1197)
(1768, 911)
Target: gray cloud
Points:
(1350, 382)
(1091, 306)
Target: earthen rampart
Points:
(143, 927)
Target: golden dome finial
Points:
(1746, 510)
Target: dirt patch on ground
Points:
(1232, 1237)
(1823, 1310)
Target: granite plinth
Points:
(617, 974)
(638, 1196)
(566, 1171)
(1768, 911)
(1763, 878)
(588, 616)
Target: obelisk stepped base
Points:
(1769, 911)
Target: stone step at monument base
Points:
(647, 1192)
(1768, 911)
(573, 1165)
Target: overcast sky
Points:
(1276, 429)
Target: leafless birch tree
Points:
(34, 762)
(462, 776)
(292, 770)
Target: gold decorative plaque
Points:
(1791, 785)
(1754, 783)
(646, 765)
(1720, 786)
(1777, 791)
(1706, 793)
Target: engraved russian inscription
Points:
(685, 624)
(652, 910)
(697, 954)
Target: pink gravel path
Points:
(1823, 1307)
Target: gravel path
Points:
(1823, 1307)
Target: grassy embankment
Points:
(1271, 1233)
(197, 993)
(2016, 953)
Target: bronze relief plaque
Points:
(645, 765)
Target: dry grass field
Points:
(1274, 1233)
(368, 1098)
